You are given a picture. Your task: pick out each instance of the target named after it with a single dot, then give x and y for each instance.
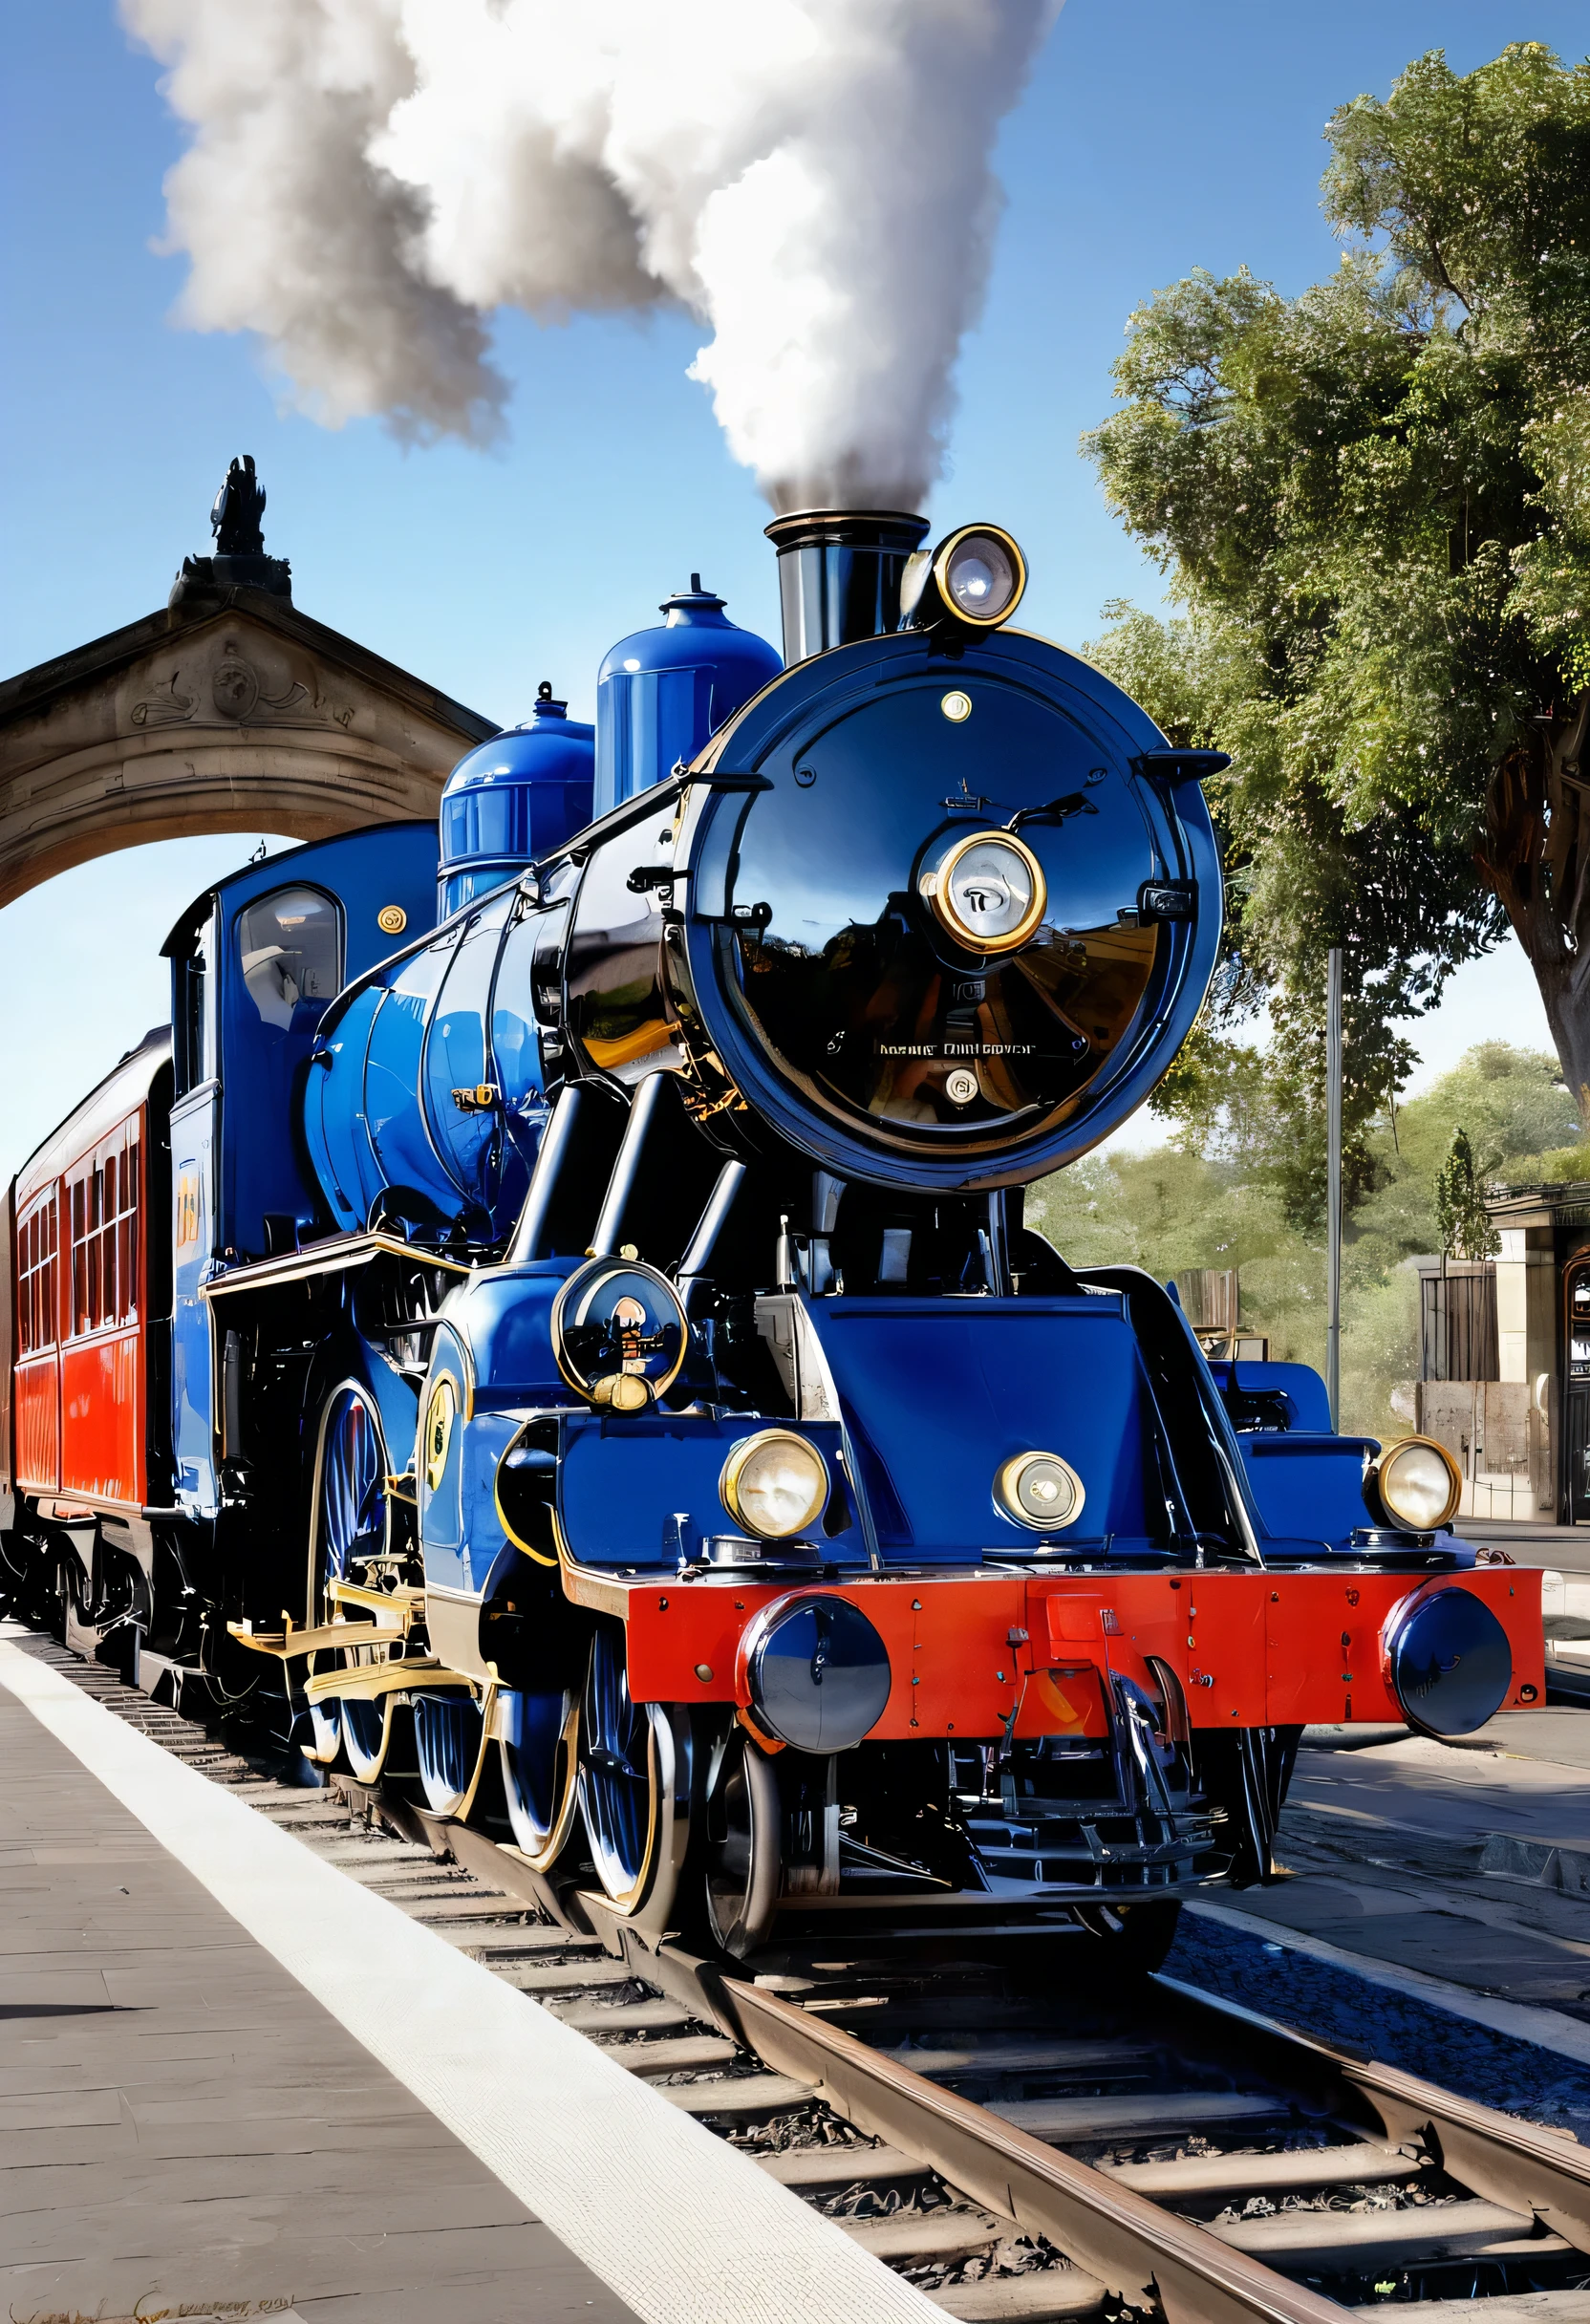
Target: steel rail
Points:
(1532, 2170)
(1135, 2249)
(1112, 2222)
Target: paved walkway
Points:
(1567, 1547)
(181, 2124)
(240, 2076)
(1470, 1865)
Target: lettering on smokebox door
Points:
(957, 1048)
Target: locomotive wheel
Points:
(449, 1736)
(352, 1522)
(634, 1783)
(537, 1736)
(743, 1856)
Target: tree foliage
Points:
(1373, 503)
(1460, 1214)
(1181, 1206)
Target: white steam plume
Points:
(810, 178)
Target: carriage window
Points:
(104, 1203)
(36, 1278)
(290, 947)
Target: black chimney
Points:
(839, 574)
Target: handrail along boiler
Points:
(594, 1371)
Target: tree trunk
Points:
(1536, 857)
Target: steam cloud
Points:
(368, 178)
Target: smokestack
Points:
(839, 574)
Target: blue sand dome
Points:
(513, 799)
(662, 692)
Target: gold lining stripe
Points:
(326, 1258)
(539, 1556)
(288, 1644)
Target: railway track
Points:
(1019, 2149)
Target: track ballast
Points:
(1018, 2151)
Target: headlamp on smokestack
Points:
(974, 580)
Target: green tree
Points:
(1460, 1214)
(1373, 503)
(1184, 1206)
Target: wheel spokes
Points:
(537, 1738)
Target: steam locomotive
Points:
(559, 1335)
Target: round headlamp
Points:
(817, 1672)
(774, 1484)
(987, 891)
(1039, 1490)
(981, 576)
(975, 577)
(1418, 1483)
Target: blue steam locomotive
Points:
(556, 1334)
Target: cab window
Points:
(289, 950)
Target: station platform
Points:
(186, 2130)
(234, 2083)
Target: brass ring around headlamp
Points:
(951, 888)
(1039, 1490)
(944, 557)
(773, 1450)
(1397, 1503)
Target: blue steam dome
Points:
(511, 799)
(662, 692)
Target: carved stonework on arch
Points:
(229, 711)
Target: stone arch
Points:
(229, 711)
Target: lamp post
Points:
(1333, 1184)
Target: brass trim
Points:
(442, 1412)
(487, 1700)
(543, 1858)
(941, 556)
(288, 1644)
(1454, 1481)
(315, 1591)
(378, 1679)
(728, 1482)
(933, 885)
(1008, 1491)
(539, 1556)
(586, 1390)
(337, 1255)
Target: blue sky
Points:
(1153, 137)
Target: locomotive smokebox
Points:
(839, 574)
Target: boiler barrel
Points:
(425, 1100)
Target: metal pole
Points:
(1333, 1184)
